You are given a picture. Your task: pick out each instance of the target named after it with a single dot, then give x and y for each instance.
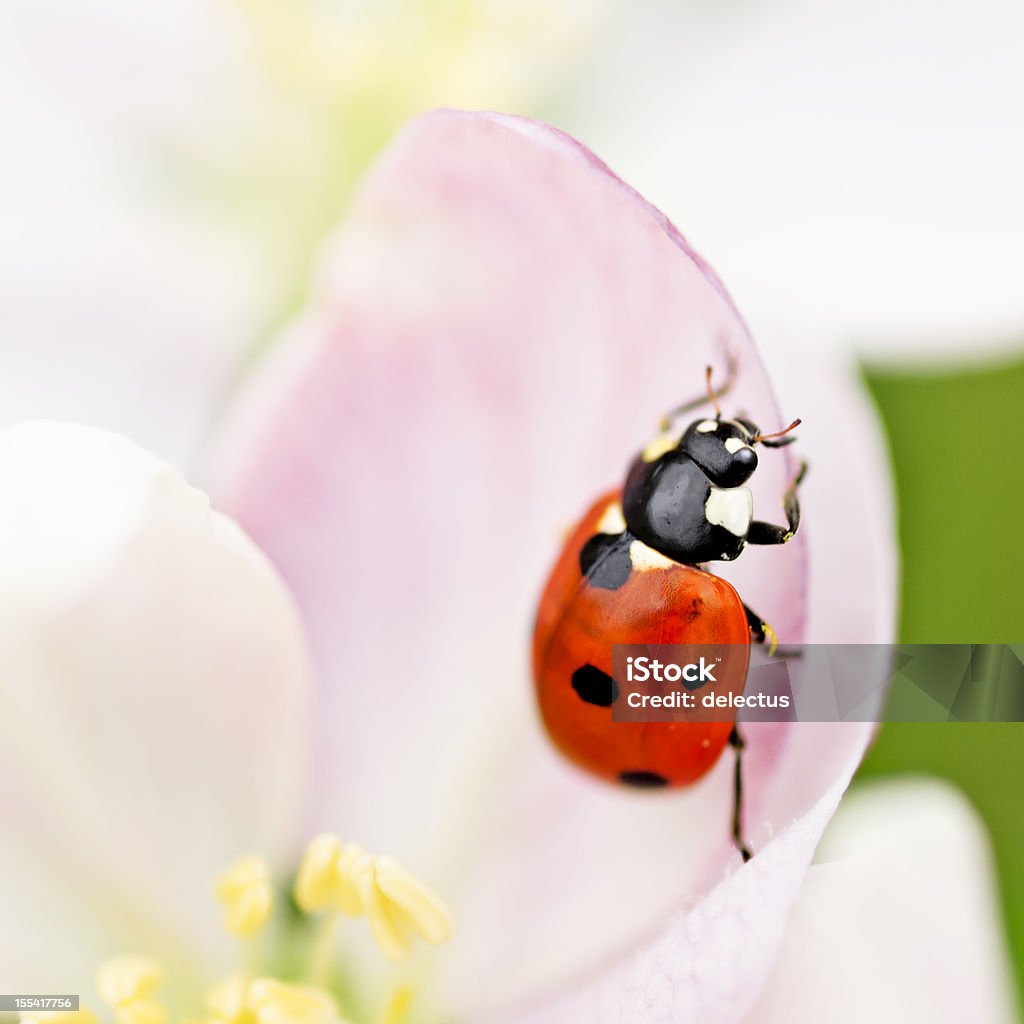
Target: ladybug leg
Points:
(710, 394)
(769, 533)
(760, 631)
(737, 743)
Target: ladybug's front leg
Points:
(737, 744)
(769, 533)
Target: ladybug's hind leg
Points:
(737, 743)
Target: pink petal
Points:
(710, 962)
(495, 331)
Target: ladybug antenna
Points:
(767, 438)
(712, 397)
(709, 395)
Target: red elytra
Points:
(577, 626)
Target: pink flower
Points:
(495, 328)
(496, 316)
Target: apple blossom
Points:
(495, 288)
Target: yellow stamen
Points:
(354, 865)
(345, 878)
(326, 878)
(389, 930)
(323, 949)
(773, 640)
(245, 893)
(399, 907)
(329, 880)
(420, 907)
(397, 1010)
(315, 879)
(274, 1002)
(228, 1001)
(334, 878)
(126, 983)
(123, 979)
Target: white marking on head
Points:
(706, 426)
(611, 520)
(644, 558)
(657, 446)
(731, 508)
(734, 444)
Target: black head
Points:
(684, 493)
(724, 449)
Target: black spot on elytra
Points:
(643, 780)
(605, 561)
(594, 686)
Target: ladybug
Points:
(634, 571)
